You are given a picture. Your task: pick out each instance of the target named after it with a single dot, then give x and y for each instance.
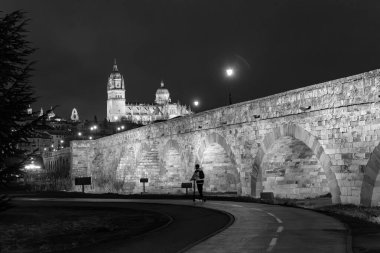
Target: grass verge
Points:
(55, 228)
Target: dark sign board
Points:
(143, 180)
(267, 195)
(186, 185)
(83, 181)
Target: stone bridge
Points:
(302, 143)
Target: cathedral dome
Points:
(162, 95)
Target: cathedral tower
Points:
(116, 95)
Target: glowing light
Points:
(95, 127)
(79, 134)
(196, 103)
(230, 72)
(115, 117)
(62, 141)
(32, 167)
(118, 129)
(90, 137)
(52, 145)
(122, 127)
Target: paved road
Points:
(267, 228)
(257, 228)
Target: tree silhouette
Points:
(16, 92)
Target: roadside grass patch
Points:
(371, 214)
(57, 228)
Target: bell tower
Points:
(116, 95)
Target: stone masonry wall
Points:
(291, 170)
(338, 120)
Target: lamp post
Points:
(230, 72)
(196, 104)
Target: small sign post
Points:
(143, 180)
(83, 181)
(187, 186)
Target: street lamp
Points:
(230, 72)
(196, 104)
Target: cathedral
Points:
(119, 110)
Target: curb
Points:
(231, 221)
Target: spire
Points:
(115, 65)
(74, 115)
(162, 83)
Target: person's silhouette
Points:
(198, 177)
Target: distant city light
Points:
(32, 167)
(62, 141)
(122, 127)
(91, 128)
(118, 129)
(196, 103)
(90, 137)
(115, 117)
(45, 149)
(79, 134)
(230, 72)
(52, 145)
(95, 127)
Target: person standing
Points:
(198, 177)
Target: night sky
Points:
(274, 45)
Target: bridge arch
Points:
(370, 190)
(147, 162)
(298, 133)
(219, 164)
(127, 166)
(174, 170)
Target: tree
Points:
(16, 92)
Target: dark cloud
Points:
(274, 45)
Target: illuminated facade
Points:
(118, 110)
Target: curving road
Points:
(256, 228)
